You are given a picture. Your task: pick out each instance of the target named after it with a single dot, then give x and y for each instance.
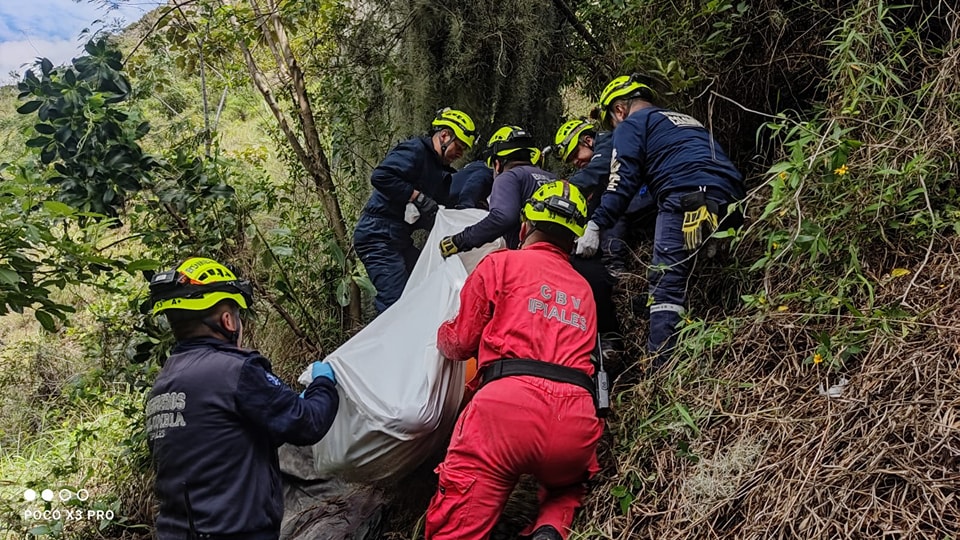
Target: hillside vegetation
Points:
(816, 389)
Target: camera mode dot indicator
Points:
(47, 495)
(29, 495)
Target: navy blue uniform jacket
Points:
(594, 178)
(511, 189)
(215, 418)
(412, 164)
(667, 151)
(471, 185)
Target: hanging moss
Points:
(501, 62)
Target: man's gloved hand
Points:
(450, 245)
(323, 369)
(588, 244)
(427, 206)
(410, 213)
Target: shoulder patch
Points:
(272, 379)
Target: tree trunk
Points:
(309, 150)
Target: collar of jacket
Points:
(205, 341)
(427, 143)
(543, 245)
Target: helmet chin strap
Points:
(233, 337)
(526, 229)
(443, 147)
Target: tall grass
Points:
(844, 279)
(71, 422)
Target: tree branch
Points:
(289, 320)
(577, 25)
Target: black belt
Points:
(511, 367)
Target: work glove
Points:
(410, 213)
(698, 225)
(323, 369)
(450, 245)
(588, 244)
(427, 206)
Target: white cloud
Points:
(14, 54)
(48, 18)
(51, 28)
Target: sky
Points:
(51, 28)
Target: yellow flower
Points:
(817, 358)
(775, 245)
(840, 171)
(783, 175)
(782, 308)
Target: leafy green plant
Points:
(44, 245)
(90, 142)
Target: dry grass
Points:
(773, 458)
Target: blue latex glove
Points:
(323, 369)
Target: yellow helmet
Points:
(568, 136)
(198, 284)
(623, 87)
(510, 139)
(558, 202)
(459, 122)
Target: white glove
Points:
(588, 243)
(411, 214)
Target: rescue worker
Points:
(217, 413)
(471, 185)
(408, 185)
(687, 174)
(578, 143)
(511, 155)
(528, 318)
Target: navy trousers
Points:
(385, 247)
(669, 271)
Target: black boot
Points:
(546, 532)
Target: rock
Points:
(326, 508)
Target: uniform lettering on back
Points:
(163, 412)
(614, 171)
(680, 119)
(555, 305)
(540, 180)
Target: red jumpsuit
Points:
(519, 304)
